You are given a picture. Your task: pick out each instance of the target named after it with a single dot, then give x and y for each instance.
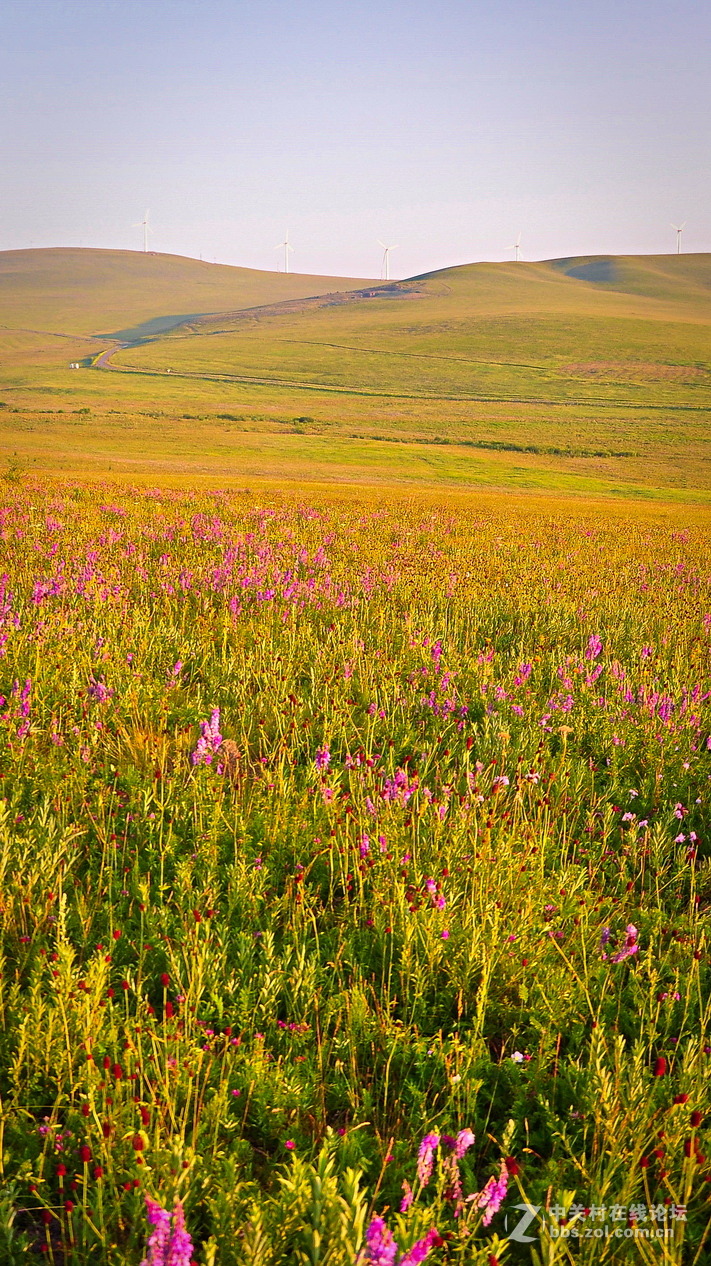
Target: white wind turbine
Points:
(679, 230)
(285, 246)
(143, 224)
(385, 267)
(516, 248)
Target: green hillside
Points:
(78, 291)
(514, 331)
(590, 374)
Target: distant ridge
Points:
(86, 291)
(679, 278)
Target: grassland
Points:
(354, 871)
(586, 376)
(354, 863)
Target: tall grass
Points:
(326, 826)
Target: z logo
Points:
(519, 1232)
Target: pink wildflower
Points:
(425, 1158)
(209, 741)
(380, 1247)
(167, 1245)
(630, 946)
(465, 1140)
(407, 1198)
(421, 1249)
(323, 757)
(493, 1195)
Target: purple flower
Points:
(493, 1195)
(421, 1249)
(158, 1218)
(399, 788)
(465, 1140)
(407, 1198)
(209, 741)
(167, 1245)
(99, 691)
(323, 757)
(425, 1158)
(594, 647)
(630, 946)
(380, 1247)
(180, 1248)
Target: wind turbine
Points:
(516, 248)
(385, 268)
(286, 247)
(679, 229)
(146, 229)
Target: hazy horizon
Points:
(446, 131)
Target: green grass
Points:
(598, 369)
(455, 877)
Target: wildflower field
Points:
(355, 879)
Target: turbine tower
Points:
(285, 247)
(679, 230)
(385, 266)
(516, 248)
(143, 224)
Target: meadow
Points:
(355, 879)
(588, 377)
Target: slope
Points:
(92, 292)
(533, 332)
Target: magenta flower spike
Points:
(169, 1244)
(380, 1247)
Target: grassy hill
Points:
(591, 374)
(514, 331)
(68, 290)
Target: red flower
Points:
(137, 1143)
(696, 1119)
(660, 1066)
(165, 979)
(85, 1154)
(680, 1098)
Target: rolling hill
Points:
(110, 293)
(589, 373)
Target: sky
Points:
(444, 128)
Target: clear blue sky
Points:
(446, 127)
